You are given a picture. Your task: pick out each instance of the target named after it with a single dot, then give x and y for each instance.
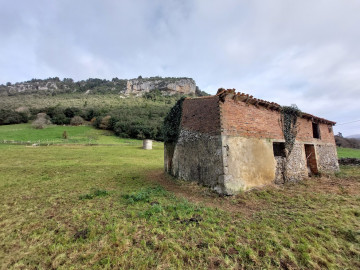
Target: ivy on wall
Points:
(289, 116)
(288, 120)
(172, 122)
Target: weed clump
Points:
(94, 193)
(83, 234)
(143, 195)
(154, 209)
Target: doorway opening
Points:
(311, 159)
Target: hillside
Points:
(131, 108)
(347, 142)
(138, 87)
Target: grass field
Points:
(348, 152)
(53, 134)
(104, 207)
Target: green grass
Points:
(53, 134)
(348, 152)
(105, 207)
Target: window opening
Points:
(279, 149)
(316, 130)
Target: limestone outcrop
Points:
(169, 86)
(136, 87)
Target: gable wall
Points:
(241, 119)
(201, 115)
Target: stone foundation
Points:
(229, 164)
(195, 157)
(326, 156)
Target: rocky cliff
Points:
(169, 86)
(137, 87)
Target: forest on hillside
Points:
(129, 117)
(99, 102)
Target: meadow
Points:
(106, 206)
(348, 152)
(53, 134)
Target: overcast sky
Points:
(291, 52)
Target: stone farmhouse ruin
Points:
(232, 142)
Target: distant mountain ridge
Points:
(137, 87)
(355, 136)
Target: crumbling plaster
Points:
(248, 163)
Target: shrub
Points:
(41, 121)
(105, 122)
(57, 116)
(70, 112)
(77, 121)
(8, 117)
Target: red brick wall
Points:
(201, 114)
(305, 132)
(241, 119)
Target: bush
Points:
(8, 117)
(77, 121)
(42, 120)
(70, 112)
(105, 122)
(57, 116)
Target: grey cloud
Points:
(303, 52)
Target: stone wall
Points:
(327, 158)
(196, 157)
(279, 170)
(349, 161)
(296, 165)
